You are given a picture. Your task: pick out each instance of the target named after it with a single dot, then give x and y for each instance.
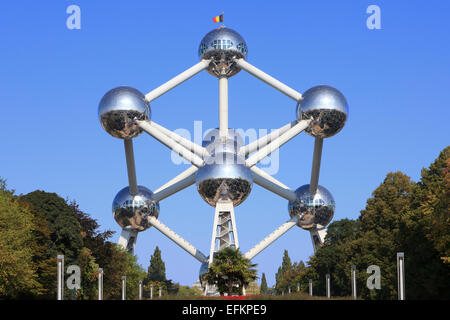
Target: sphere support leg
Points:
(128, 239)
(318, 237)
(224, 232)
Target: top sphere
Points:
(118, 110)
(222, 45)
(327, 107)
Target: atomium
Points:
(118, 110)
(315, 211)
(223, 167)
(222, 46)
(327, 107)
(132, 211)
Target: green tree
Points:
(65, 230)
(283, 271)
(18, 276)
(264, 288)
(157, 268)
(230, 267)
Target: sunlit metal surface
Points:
(224, 177)
(222, 45)
(214, 144)
(118, 110)
(327, 106)
(132, 211)
(315, 212)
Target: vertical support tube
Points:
(328, 283)
(310, 287)
(401, 275)
(60, 275)
(354, 294)
(160, 291)
(151, 291)
(100, 283)
(298, 287)
(317, 157)
(140, 289)
(124, 287)
(223, 107)
(131, 168)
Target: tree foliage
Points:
(401, 216)
(230, 268)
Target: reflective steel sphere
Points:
(224, 177)
(118, 110)
(327, 107)
(314, 212)
(132, 211)
(222, 45)
(214, 144)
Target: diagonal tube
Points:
(277, 143)
(317, 156)
(285, 227)
(189, 248)
(131, 168)
(263, 141)
(169, 85)
(170, 143)
(189, 171)
(271, 81)
(191, 146)
(263, 179)
(174, 187)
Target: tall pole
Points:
(354, 294)
(223, 107)
(298, 287)
(151, 291)
(124, 287)
(310, 287)
(100, 283)
(60, 275)
(160, 291)
(140, 289)
(401, 275)
(327, 277)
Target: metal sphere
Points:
(224, 177)
(327, 107)
(315, 212)
(118, 110)
(214, 144)
(132, 211)
(222, 45)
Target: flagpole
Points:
(223, 18)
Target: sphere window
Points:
(242, 48)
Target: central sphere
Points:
(222, 45)
(214, 144)
(132, 211)
(224, 177)
(315, 211)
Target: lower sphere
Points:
(132, 211)
(315, 211)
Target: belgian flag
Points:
(218, 18)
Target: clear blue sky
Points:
(396, 81)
